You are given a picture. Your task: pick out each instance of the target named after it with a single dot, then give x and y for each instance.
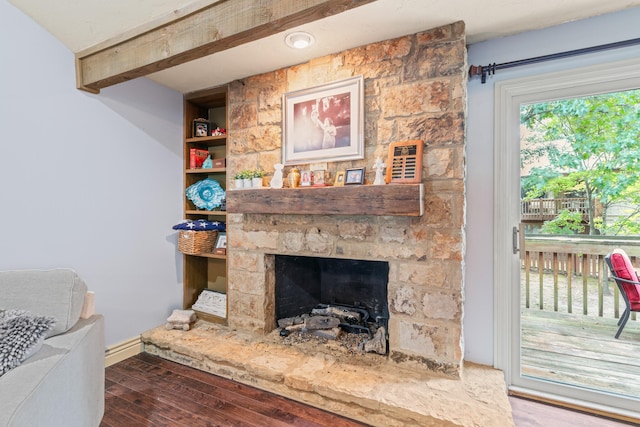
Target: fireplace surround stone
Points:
(414, 89)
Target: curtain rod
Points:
(484, 70)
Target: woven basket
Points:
(196, 242)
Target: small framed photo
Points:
(221, 244)
(201, 127)
(339, 181)
(306, 178)
(318, 178)
(354, 176)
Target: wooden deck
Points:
(581, 351)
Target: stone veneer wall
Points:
(415, 88)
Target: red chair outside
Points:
(627, 280)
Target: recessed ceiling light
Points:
(299, 40)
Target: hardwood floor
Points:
(145, 390)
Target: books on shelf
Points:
(197, 157)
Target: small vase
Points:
(294, 178)
(276, 181)
(256, 182)
(246, 182)
(239, 183)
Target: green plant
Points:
(587, 146)
(565, 223)
(243, 174)
(257, 173)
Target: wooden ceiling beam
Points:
(219, 26)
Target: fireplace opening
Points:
(336, 299)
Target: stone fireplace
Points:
(415, 340)
(414, 89)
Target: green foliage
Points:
(539, 184)
(257, 173)
(249, 173)
(626, 225)
(243, 174)
(566, 222)
(592, 145)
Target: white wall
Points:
(478, 321)
(90, 182)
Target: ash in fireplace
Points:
(351, 327)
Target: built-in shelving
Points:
(204, 270)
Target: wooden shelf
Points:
(211, 317)
(209, 255)
(381, 200)
(212, 170)
(211, 140)
(203, 212)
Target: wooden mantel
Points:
(384, 200)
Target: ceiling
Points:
(81, 24)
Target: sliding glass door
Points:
(554, 304)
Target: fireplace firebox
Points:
(343, 295)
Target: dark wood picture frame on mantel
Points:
(354, 176)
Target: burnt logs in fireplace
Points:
(333, 322)
(315, 323)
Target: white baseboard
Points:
(124, 350)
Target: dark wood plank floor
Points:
(145, 390)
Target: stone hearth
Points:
(370, 389)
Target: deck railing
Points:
(547, 209)
(568, 273)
